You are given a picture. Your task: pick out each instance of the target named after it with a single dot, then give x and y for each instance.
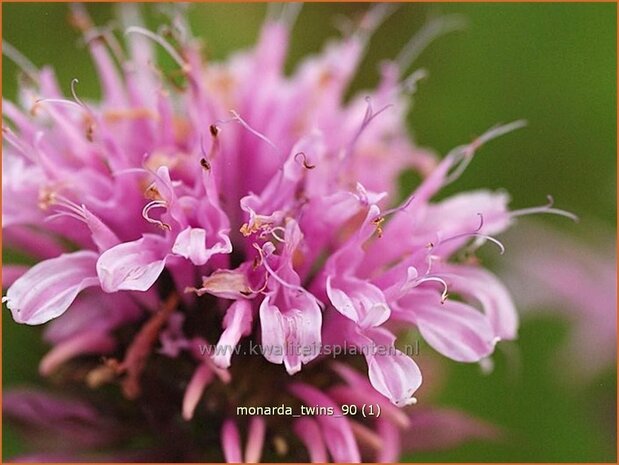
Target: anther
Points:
(205, 164)
(304, 161)
(378, 222)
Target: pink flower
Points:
(245, 207)
(553, 272)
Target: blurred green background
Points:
(551, 64)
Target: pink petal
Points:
(435, 429)
(392, 373)
(200, 379)
(391, 443)
(273, 334)
(132, 265)
(335, 430)
(308, 431)
(47, 290)
(191, 244)
(293, 336)
(479, 284)
(454, 329)
(255, 440)
(237, 323)
(231, 442)
(88, 342)
(11, 273)
(358, 300)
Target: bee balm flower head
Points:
(191, 214)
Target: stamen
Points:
(242, 122)
(79, 101)
(89, 113)
(433, 29)
(409, 85)
(378, 221)
(481, 222)
(161, 41)
(433, 278)
(266, 265)
(214, 130)
(304, 161)
(156, 204)
(545, 209)
(367, 119)
(475, 234)
(373, 18)
(205, 164)
(54, 101)
(20, 60)
(463, 154)
(274, 232)
(404, 206)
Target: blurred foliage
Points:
(552, 64)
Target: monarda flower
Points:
(190, 215)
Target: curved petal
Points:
(237, 323)
(483, 286)
(308, 431)
(336, 430)
(191, 243)
(47, 289)
(132, 265)
(392, 373)
(273, 336)
(456, 330)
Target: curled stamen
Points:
(274, 232)
(481, 222)
(242, 122)
(428, 278)
(545, 209)
(155, 204)
(89, 113)
(161, 41)
(439, 280)
(78, 100)
(498, 243)
(262, 288)
(304, 162)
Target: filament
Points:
(161, 41)
(545, 209)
